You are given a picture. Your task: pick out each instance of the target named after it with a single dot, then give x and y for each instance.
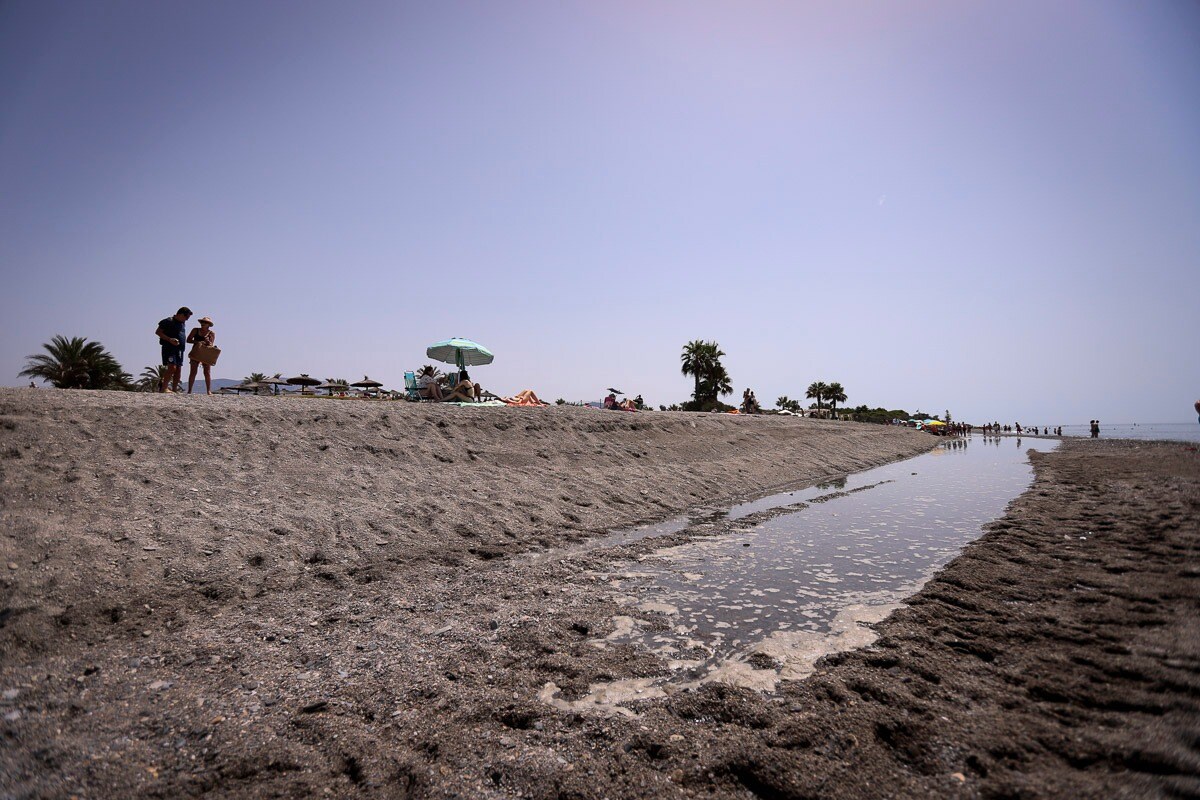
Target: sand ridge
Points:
(159, 642)
(177, 496)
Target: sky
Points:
(986, 208)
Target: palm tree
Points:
(835, 394)
(702, 360)
(694, 358)
(151, 378)
(787, 404)
(255, 377)
(76, 363)
(816, 391)
(716, 382)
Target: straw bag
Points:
(205, 353)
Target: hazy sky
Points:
(988, 207)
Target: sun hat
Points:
(202, 320)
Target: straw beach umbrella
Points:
(274, 382)
(333, 387)
(366, 383)
(302, 380)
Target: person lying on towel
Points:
(612, 403)
(525, 398)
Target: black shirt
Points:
(173, 329)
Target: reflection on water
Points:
(808, 574)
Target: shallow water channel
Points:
(769, 586)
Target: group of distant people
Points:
(613, 404)
(459, 387)
(172, 335)
(996, 428)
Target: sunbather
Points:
(427, 384)
(464, 391)
(613, 404)
(524, 398)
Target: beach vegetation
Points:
(151, 378)
(835, 394)
(76, 363)
(702, 361)
(255, 377)
(785, 403)
(694, 358)
(879, 415)
(816, 391)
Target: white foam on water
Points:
(813, 578)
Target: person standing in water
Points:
(1095, 429)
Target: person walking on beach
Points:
(1095, 429)
(202, 334)
(170, 333)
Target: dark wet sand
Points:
(338, 620)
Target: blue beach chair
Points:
(411, 390)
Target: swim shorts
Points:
(172, 356)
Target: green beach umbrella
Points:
(460, 352)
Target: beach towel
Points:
(482, 404)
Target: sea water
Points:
(796, 583)
(1172, 431)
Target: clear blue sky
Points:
(987, 207)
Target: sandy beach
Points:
(287, 597)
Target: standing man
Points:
(1095, 429)
(171, 333)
